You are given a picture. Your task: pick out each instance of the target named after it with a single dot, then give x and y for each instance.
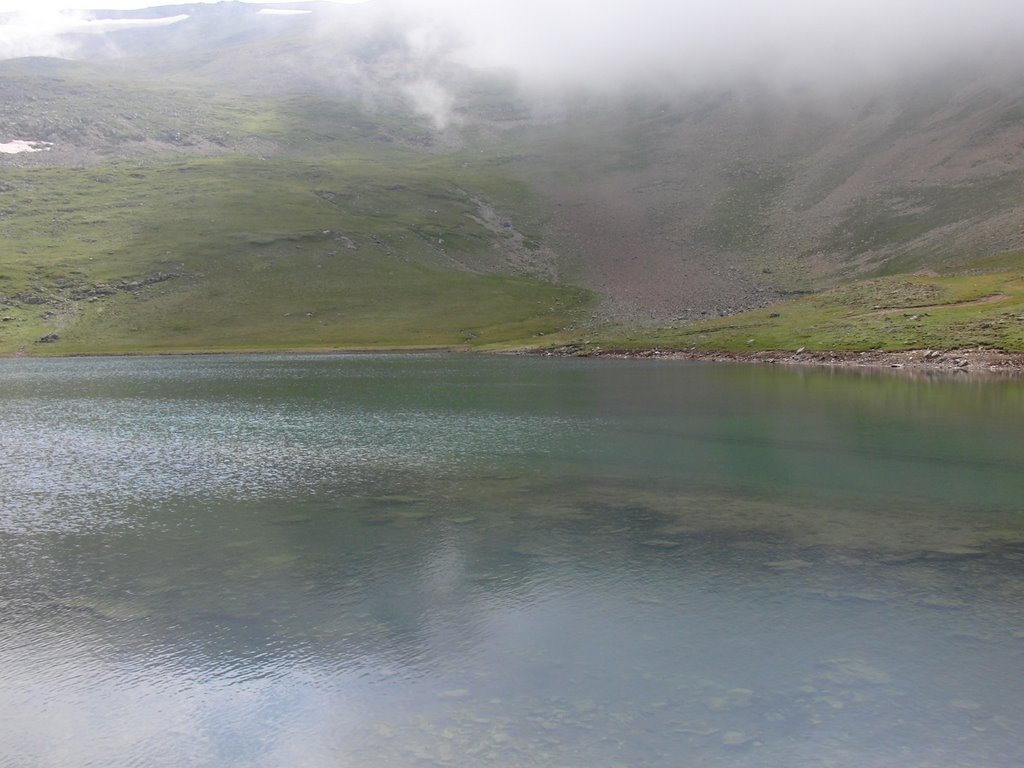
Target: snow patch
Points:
(112, 25)
(21, 145)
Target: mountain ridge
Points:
(652, 206)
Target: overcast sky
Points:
(39, 6)
(595, 41)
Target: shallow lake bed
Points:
(441, 560)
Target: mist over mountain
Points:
(680, 161)
(648, 44)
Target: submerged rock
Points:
(661, 543)
(737, 739)
(789, 565)
(282, 559)
(852, 672)
(943, 603)
(397, 499)
(293, 520)
(963, 704)
(737, 698)
(858, 596)
(454, 693)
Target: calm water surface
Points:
(413, 561)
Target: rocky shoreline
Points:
(950, 360)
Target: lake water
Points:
(428, 560)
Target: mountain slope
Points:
(237, 180)
(236, 252)
(719, 202)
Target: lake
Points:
(447, 560)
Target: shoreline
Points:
(962, 361)
(241, 351)
(922, 360)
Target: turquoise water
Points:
(429, 560)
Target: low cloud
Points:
(578, 42)
(432, 100)
(54, 33)
(610, 45)
(687, 44)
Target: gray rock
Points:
(737, 739)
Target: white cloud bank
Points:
(616, 42)
(588, 41)
(44, 33)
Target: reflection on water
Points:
(433, 561)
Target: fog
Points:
(42, 32)
(577, 42)
(614, 43)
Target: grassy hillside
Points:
(237, 252)
(239, 181)
(984, 308)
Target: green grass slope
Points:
(241, 181)
(982, 308)
(390, 249)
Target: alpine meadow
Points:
(318, 176)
